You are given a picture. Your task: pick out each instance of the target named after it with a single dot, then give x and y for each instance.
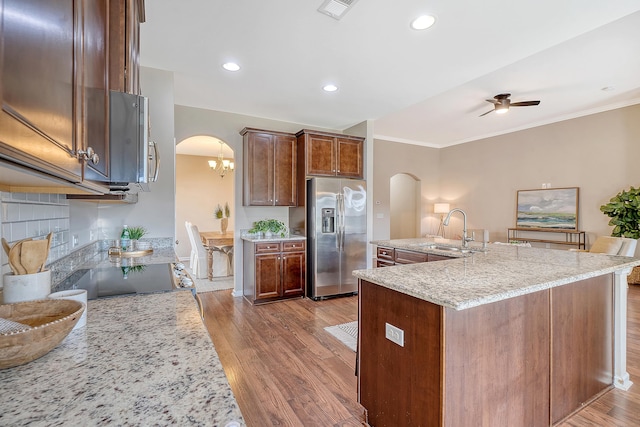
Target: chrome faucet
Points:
(465, 239)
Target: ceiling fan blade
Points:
(524, 103)
(484, 114)
(493, 101)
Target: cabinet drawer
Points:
(384, 263)
(293, 246)
(409, 257)
(386, 253)
(263, 248)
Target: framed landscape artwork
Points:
(549, 209)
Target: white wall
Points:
(155, 210)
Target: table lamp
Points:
(441, 208)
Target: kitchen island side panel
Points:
(399, 385)
(582, 346)
(497, 363)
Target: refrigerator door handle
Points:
(341, 221)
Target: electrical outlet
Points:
(75, 240)
(91, 236)
(394, 334)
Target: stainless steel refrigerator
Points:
(336, 235)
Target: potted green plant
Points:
(223, 216)
(137, 233)
(269, 227)
(624, 211)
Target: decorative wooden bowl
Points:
(45, 324)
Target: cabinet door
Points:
(258, 173)
(124, 45)
(293, 274)
(38, 85)
(268, 280)
(284, 181)
(321, 155)
(349, 163)
(95, 92)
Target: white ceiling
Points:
(424, 87)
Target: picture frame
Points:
(548, 209)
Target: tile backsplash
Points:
(34, 215)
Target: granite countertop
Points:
(498, 273)
(141, 360)
(294, 237)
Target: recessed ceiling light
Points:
(423, 22)
(230, 66)
(330, 88)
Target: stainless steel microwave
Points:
(133, 158)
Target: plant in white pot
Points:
(269, 227)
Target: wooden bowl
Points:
(47, 322)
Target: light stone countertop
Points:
(498, 273)
(141, 360)
(274, 239)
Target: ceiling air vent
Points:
(336, 8)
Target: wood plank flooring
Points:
(286, 370)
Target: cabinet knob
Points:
(88, 155)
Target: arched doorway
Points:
(404, 206)
(200, 188)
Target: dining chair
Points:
(192, 254)
(228, 251)
(199, 254)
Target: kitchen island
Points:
(506, 336)
(140, 360)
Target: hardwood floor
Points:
(286, 370)
(283, 367)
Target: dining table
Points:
(215, 241)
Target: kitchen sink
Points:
(428, 245)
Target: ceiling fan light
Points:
(423, 22)
(501, 110)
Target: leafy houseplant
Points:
(218, 212)
(136, 233)
(269, 226)
(624, 211)
(225, 221)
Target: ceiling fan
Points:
(501, 104)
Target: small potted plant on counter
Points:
(137, 233)
(269, 227)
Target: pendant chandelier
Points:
(221, 165)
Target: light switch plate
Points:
(394, 334)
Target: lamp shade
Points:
(441, 207)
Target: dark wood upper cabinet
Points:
(55, 80)
(40, 86)
(95, 91)
(124, 45)
(329, 154)
(269, 168)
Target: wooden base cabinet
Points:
(273, 270)
(530, 360)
